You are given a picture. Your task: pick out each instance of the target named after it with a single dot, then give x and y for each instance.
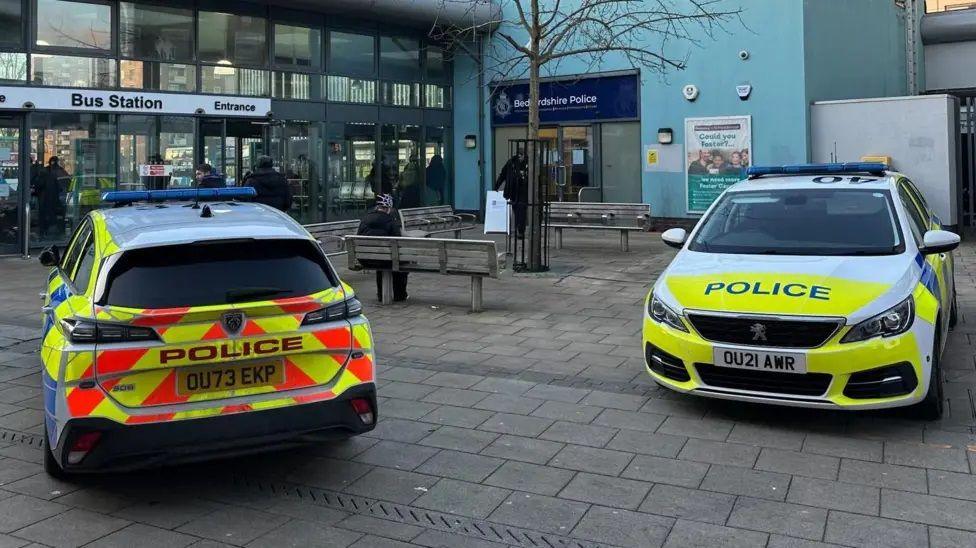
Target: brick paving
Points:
(530, 423)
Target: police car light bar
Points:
(182, 194)
(819, 169)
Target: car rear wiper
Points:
(245, 293)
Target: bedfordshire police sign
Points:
(578, 100)
(124, 102)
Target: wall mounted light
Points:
(665, 136)
(470, 141)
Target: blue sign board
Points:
(584, 99)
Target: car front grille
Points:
(764, 331)
(809, 384)
(665, 364)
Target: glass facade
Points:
(336, 159)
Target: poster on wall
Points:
(717, 152)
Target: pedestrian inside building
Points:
(271, 187)
(207, 177)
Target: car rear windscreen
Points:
(801, 222)
(217, 272)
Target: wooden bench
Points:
(332, 236)
(599, 216)
(475, 258)
(426, 221)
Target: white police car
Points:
(819, 285)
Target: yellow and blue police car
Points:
(182, 325)
(825, 285)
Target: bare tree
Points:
(532, 36)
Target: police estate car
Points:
(177, 329)
(817, 285)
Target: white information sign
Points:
(496, 213)
(101, 100)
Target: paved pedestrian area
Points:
(531, 424)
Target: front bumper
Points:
(830, 369)
(127, 447)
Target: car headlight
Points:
(662, 313)
(894, 321)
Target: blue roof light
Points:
(819, 169)
(179, 194)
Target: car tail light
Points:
(83, 331)
(82, 445)
(346, 309)
(363, 408)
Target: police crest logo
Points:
(233, 322)
(758, 332)
(503, 105)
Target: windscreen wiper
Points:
(246, 293)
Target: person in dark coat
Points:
(437, 176)
(48, 183)
(271, 186)
(514, 177)
(380, 221)
(207, 177)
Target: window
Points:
(436, 96)
(948, 5)
(76, 25)
(233, 81)
(778, 222)
(352, 181)
(399, 58)
(401, 95)
(297, 46)
(85, 266)
(233, 39)
(918, 221)
(436, 68)
(72, 72)
(352, 54)
(13, 68)
(11, 19)
(155, 32)
(155, 140)
(217, 273)
(350, 90)
(438, 174)
(70, 261)
(157, 76)
(294, 85)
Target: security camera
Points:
(690, 92)
(29, 105)
(199, 111)
(269, 114)
(744, 55)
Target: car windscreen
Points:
(801, 222)
(216, 272)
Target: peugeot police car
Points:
(178, 329)
(817, 285)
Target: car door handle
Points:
(47, 309)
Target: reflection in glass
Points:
(156, 76)
(155, 140)
(296, 148)
(233, 81)
(438, 178)
(233, 39)
(73, 72)
(84, 146)
(352, 54)
(297, 46)
(155, 32)
(294, 85)
(401, 95)
(10, 22)
(401, 172)
(436, 68)
(437, 96)
(74, 25)
(13, 67)
(399, 58)
(350, 90)
(352, 181)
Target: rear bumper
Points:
(127, 447)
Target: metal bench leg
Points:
(387, 287)
(477, 284)
(457, 234)
(559, 238)
(624, 240)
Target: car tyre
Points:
(51, 465)
(932, 407)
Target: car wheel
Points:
(932, 406)
(51, 465)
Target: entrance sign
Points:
(99, 100)
(601, 98)
(718, 151)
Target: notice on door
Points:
(155, 170)
(718, 151)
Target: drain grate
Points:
(13, 436)
(400, 513)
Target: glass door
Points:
(576, 150)
(232, 146)
(12, 193)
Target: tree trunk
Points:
(533, 233)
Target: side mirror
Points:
(939, 241)
(50, 256)
(675, 237)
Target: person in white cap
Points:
(380, 221)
